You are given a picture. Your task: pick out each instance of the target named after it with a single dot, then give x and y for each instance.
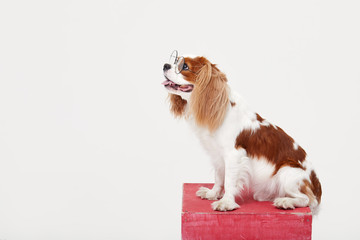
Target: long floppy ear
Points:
(177, 105)
(210, 98)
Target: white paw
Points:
(224, 205)
(284, 203)
(206, 193)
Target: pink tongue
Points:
(175, 86)
(186, 88)
(167, 82)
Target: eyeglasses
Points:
(179, 62)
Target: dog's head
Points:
(195, 80)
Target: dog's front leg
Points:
(237, 171)
(216, 192)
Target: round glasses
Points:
(177, 61)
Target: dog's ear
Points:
(209, 99)
(177, 105)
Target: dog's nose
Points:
(166, 66)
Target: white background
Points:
(88, 148)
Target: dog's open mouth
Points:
(171, 85)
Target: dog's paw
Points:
(284, 203)
(224, 205)
(206, 193)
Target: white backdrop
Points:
(88, 148)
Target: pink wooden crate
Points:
(254, 220)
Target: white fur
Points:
(234, 170)
(178, 79)
(263, 185)
(242, 171)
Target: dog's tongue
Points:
(186, 88)
(172, 84)
(167, 82)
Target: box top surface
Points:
(196, 205)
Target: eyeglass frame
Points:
(176, 61)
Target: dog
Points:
(247, 151)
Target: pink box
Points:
(253, 220)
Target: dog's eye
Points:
(185, 67)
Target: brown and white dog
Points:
(246, 150)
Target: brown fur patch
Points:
(177, 105)
(273, 144)
(306, 189)
(232, 104)
(209, 98)
(316, 186)
(195, 65)
(259, 118)
(312, 189)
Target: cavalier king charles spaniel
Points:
(247, 151)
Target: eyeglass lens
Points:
(173, 57)
(180, 64)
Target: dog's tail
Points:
(313, 190)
